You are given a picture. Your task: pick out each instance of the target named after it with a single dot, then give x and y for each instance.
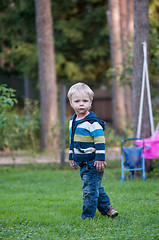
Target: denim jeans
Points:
(94, 196)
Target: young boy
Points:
(87, 150)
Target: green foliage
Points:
(81, 39)
(17, 21)
(47, 204)
(111, 139)
(153, 63)
(127, 71)
(7, 98)
(114, 140)
(22, 131)
(7, 101)
(18, 51)
(23, 57)
(154, 57)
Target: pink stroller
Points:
(151, 146)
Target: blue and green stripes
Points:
(87, 139)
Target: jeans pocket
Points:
(90, 165)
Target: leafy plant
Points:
(114, 140)
(7, 98)
(21, 131)
(7, 101)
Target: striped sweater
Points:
(87, 141)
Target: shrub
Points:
(22, 131)
(7, 101)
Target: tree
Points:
(116, 62)
(81, 41)
(18, 55)
(47, 73)
(126, 23)
(141, 34)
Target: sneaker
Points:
(112, 213)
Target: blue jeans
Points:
(94, 196)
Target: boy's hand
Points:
(73, 164)
(100, 165)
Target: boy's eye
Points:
(85, 100)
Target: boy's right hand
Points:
(73, 164)
(100, 165)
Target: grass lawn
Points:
(44, 203)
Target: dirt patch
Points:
(9, 158)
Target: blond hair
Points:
(80, 87)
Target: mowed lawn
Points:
(38, 203)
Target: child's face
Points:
(81, 103)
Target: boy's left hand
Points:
(73, 164)
(100, 165)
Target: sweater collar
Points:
(91, 117)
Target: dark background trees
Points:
(82, 48)
(81, 40)
(47, 72)
(81, 37)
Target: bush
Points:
(22, 131)
(7, 101)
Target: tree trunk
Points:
(28, 88)
(116, 61)
(141, 34)
(47, 73)
(126, 20)
(28, 94)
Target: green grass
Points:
(41, 203)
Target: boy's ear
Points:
(70, 102)
(90, 105)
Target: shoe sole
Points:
(114, 215)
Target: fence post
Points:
(62, 121)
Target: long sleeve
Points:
(87, 141)
(70, 146)
(70, 152)
(99, 141)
